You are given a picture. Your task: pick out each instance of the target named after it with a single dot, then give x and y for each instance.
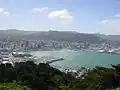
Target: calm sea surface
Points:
(76, 59)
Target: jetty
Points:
(54, 60)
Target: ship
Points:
(101, 51)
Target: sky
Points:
(85, 16)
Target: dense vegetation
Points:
(29, 76)
(36, 77)
(13, 86)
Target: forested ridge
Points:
(71, 36)
(29, 76)
(49, 35)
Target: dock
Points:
(54, 60)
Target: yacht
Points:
(101, 51)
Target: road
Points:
(11, 59)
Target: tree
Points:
(13, 86)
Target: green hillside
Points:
(29, 76)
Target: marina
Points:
(66, 57)
(76, 59)
(74, 62)
(14, 57)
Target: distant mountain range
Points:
(14, 34)
(50, 35)
(112, 39)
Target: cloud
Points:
(117, 15)
(104, 21)
(39, 9)
(6, 13)
(62, 16)
(1, 10)
(111, 26)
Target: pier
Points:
(54, 60)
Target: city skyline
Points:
(91, 16)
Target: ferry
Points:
(101, 51)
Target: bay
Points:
(76, 59)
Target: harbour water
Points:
(76, 59)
